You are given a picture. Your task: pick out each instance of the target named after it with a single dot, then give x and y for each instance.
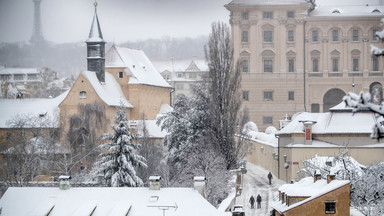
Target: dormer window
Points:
(376, 11)
(244, 15)
(120, 74)
(335, 11)
(83, 94)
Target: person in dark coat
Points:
(258, 199)
(270, 178)
(252, 201)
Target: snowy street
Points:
(256, 182)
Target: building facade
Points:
(314, 196)
(182, 74)
(299, 57)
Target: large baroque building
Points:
(298, 57)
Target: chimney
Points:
(308, 132)
(199, 184)
(330, 177)
(64, 182)
(317, 175)
(154, 183)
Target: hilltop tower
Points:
(96, 49)
(37, 34)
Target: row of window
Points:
(268, 64)
(267, 15)
(181, 75)
(335, 36)
(19, 76)
(336, 65)
(268, 95)
(267, 36)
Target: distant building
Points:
(25, 82)
(314, 196)
(182, 74)
(296, 57)
(117, 201)
(323, 134)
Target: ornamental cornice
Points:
(299, 20)
(253, 21)
(282, 21)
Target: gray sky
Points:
(120, 20)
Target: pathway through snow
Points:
(256, 182)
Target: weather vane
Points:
(95, 4)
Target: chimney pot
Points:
(154, 182)
(330, 177)
(64, 182)
(199, 184)
(317, 175)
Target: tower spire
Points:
(37, 35)
(96, 49)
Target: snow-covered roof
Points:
(180, 65)
(345, 10)
(105, 201)
(307, 188)
(339, 120)
(19, 70)
(136, 64)
(47, 108)
(154, 131)
(109, 91)
(267, 2)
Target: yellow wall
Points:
(317, 206)
(262, 155)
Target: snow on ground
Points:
(255, 182)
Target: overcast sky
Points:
(120, 20)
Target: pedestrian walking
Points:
(258, 199)
(270, 178)
(252, 201)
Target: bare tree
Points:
(29, 149)
(223, 86)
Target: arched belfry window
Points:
(83, 94)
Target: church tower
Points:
(37, 35)
(96, 49)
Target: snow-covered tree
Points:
(153, 151)
(206, 161)
(223, 86)
(119, 159)
(366, 183)
(185, 124)
(363, 102)
(375, 50)
(367, 191)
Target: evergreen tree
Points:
(120, 157)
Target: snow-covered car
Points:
(238, 210)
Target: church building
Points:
(122, 76)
